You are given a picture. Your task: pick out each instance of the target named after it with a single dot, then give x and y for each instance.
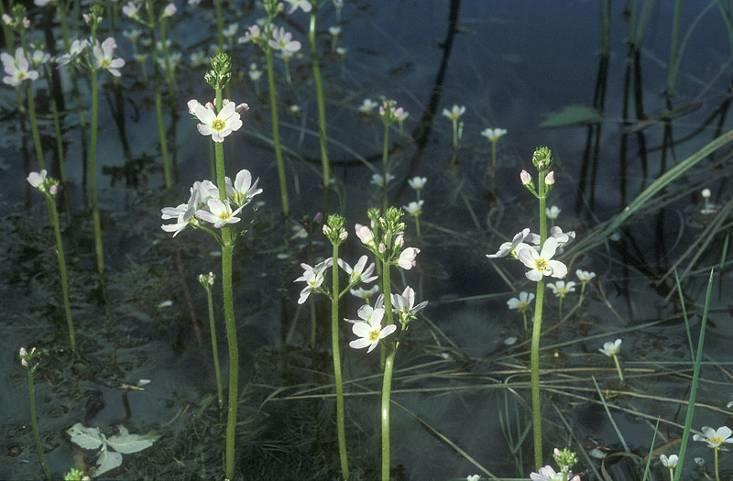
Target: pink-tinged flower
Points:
(541, 264)
(550, 178)
(549, 474)
(365, 234)
(169, 10)
(217, 125)
(407, 258)
(525, 177)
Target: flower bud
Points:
(525, 177)
(550, 178)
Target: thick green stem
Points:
(219, 23)
(325, 163)
(162, 138)
(388, 367)
(337, 373)
(215, 349)
(276, 134)
(536, 335)
(54, 216)
(93, 127)
(34, 128)
(227, 251)
(34, 424)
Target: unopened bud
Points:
(550, 178)
(525, 177)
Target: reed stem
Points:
(325, 163)
(276, 134)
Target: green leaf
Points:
(107, 461)
(87, 438)
(572, 115)
(127, 443)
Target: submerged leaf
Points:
(87, 438)
(127, 443)
(572, 115)
(107, 461)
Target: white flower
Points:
(550, 178)
(304, 5)
(585, 276)
(42, 3)
(360, 272)
(562, 288)
(714, 438)
(379, 179)
(365, 294)
(512, 247)
(231, 30)
(103, 57)
(219, 213)
(254, 72)
(611, 349)
(400, 114)
(17, 69)
(525, 177)
(520, 303)
(131, 9)
(367, 106)
(40, 58)
(184, 214)
(217, 125)
(541, 264)
(38, 179)
(407, 258)
(283, 41)
(334, 30)
(365, 234)
(132, 35)
(404, 304)
(669, 462)
(24, 355)
(169, 10)
(243, 189)
(454, 113)
(473, 477)
(370, 330)
(417, 183)
(705, 193)
(414, 208)
(313, 278)
(253, 34)
(553, 212)
(549, 474)
(562, 238)
(493, 135)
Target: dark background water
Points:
(510, 63)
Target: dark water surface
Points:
(457, 384)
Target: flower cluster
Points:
(205, 204)
(43, 183)
(565, 459)
(385, 238)
(102, 55)
(28, 358)
(389, 112)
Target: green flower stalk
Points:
(219, 23)
(218, 77)
(493, 136)
(281, 176)
(207, 282)
(454, 115)
(35, 133)
(28, 361)
(56, 119)
(390, 113)
(336, 233)
(385, 239)
(49, 188)
(322, 134)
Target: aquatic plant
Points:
(29, 360)
(384, 238)
(219, 205)
(612, 350)
(670, 463)
(493, 136)
(94, 57)
(521, 304)
(715, 439)
(454, 115)
(49, 187)
(110, 449)
(388, 112)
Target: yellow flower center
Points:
(716, 440)
(540, 264)
(104, 63)
(218, 124)
(373, 335)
